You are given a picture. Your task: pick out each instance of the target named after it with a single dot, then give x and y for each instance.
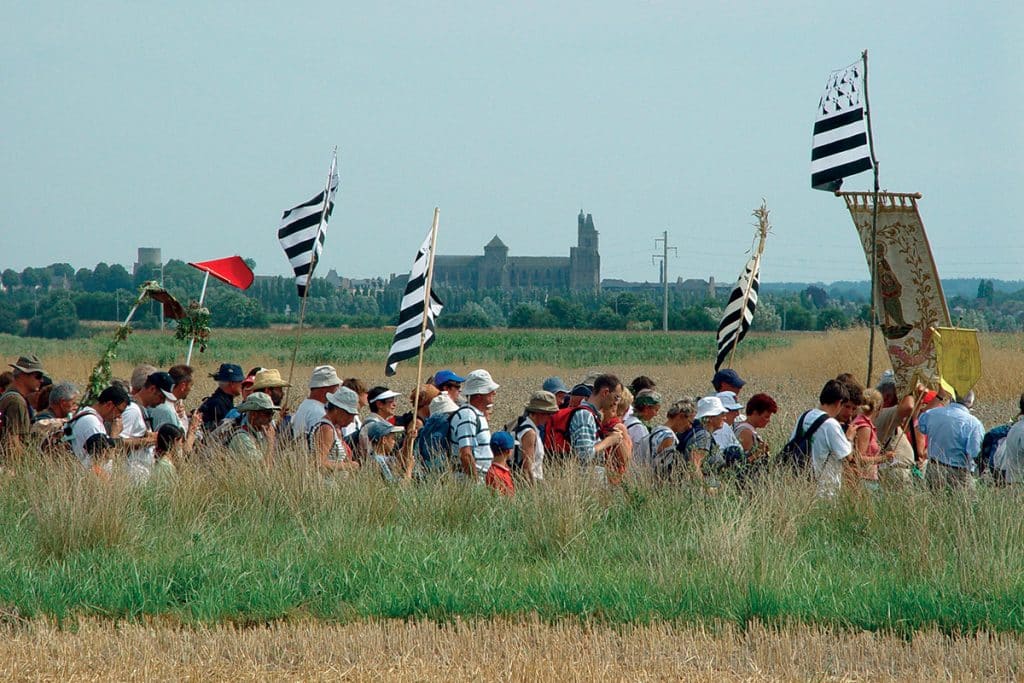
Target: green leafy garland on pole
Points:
(99, 378)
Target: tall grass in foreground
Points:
(234, 543)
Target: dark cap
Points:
(727, 375)
(164, 382)
(229, 372)
(582, 390)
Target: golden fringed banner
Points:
(908, 294)
(958, 356)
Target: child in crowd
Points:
(499, 476)
(169, 441)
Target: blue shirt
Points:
(954, 435)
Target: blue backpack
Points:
(434, 442)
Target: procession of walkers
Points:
(871, 439)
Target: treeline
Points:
(55, 300)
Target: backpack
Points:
(796, 454)
(994, 438)
(557, 443)
(60, 440)
(663, 462)
(221, 434)
(433, 443)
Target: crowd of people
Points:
(868, 438)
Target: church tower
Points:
(584, 259)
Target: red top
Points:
(869, 471)
(499, 478)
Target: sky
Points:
(191, 126)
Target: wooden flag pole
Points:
(426, 303)
(309, 275)
(202, 297)
(874, 226)
(761, 213)
(423, 328)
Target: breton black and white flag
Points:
(410, 317)
(304, 229)
(840, 147)
(739, 312)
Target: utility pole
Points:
(664, 275)
(161, 305)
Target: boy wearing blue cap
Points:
(499, 476)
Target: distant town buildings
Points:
(580, 271)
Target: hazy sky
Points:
(192, 125)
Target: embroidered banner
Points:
(908, 295)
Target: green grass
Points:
(241, 545)
(452, 347)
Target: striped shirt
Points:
(339, 451)
(472, 431)
(583, 433)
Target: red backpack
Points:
(557, 443)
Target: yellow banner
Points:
(958, 359)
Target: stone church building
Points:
(580, 271)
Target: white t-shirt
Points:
(537, 470)
(309, 412)
(637, 431)
(725, 436)
(89, 424)
(829, 446)
(140, 460)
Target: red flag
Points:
(231, 270)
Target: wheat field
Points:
(526, 650)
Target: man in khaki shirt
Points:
(15, 414)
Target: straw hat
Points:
(542, 402)
(268, 378)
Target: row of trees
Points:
(51, 302)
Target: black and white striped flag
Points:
(410, 317)
(304, 229)
(739, 312)
(840, 147)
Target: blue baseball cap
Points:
(502, 441)
(555, 385)
(444, 376)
